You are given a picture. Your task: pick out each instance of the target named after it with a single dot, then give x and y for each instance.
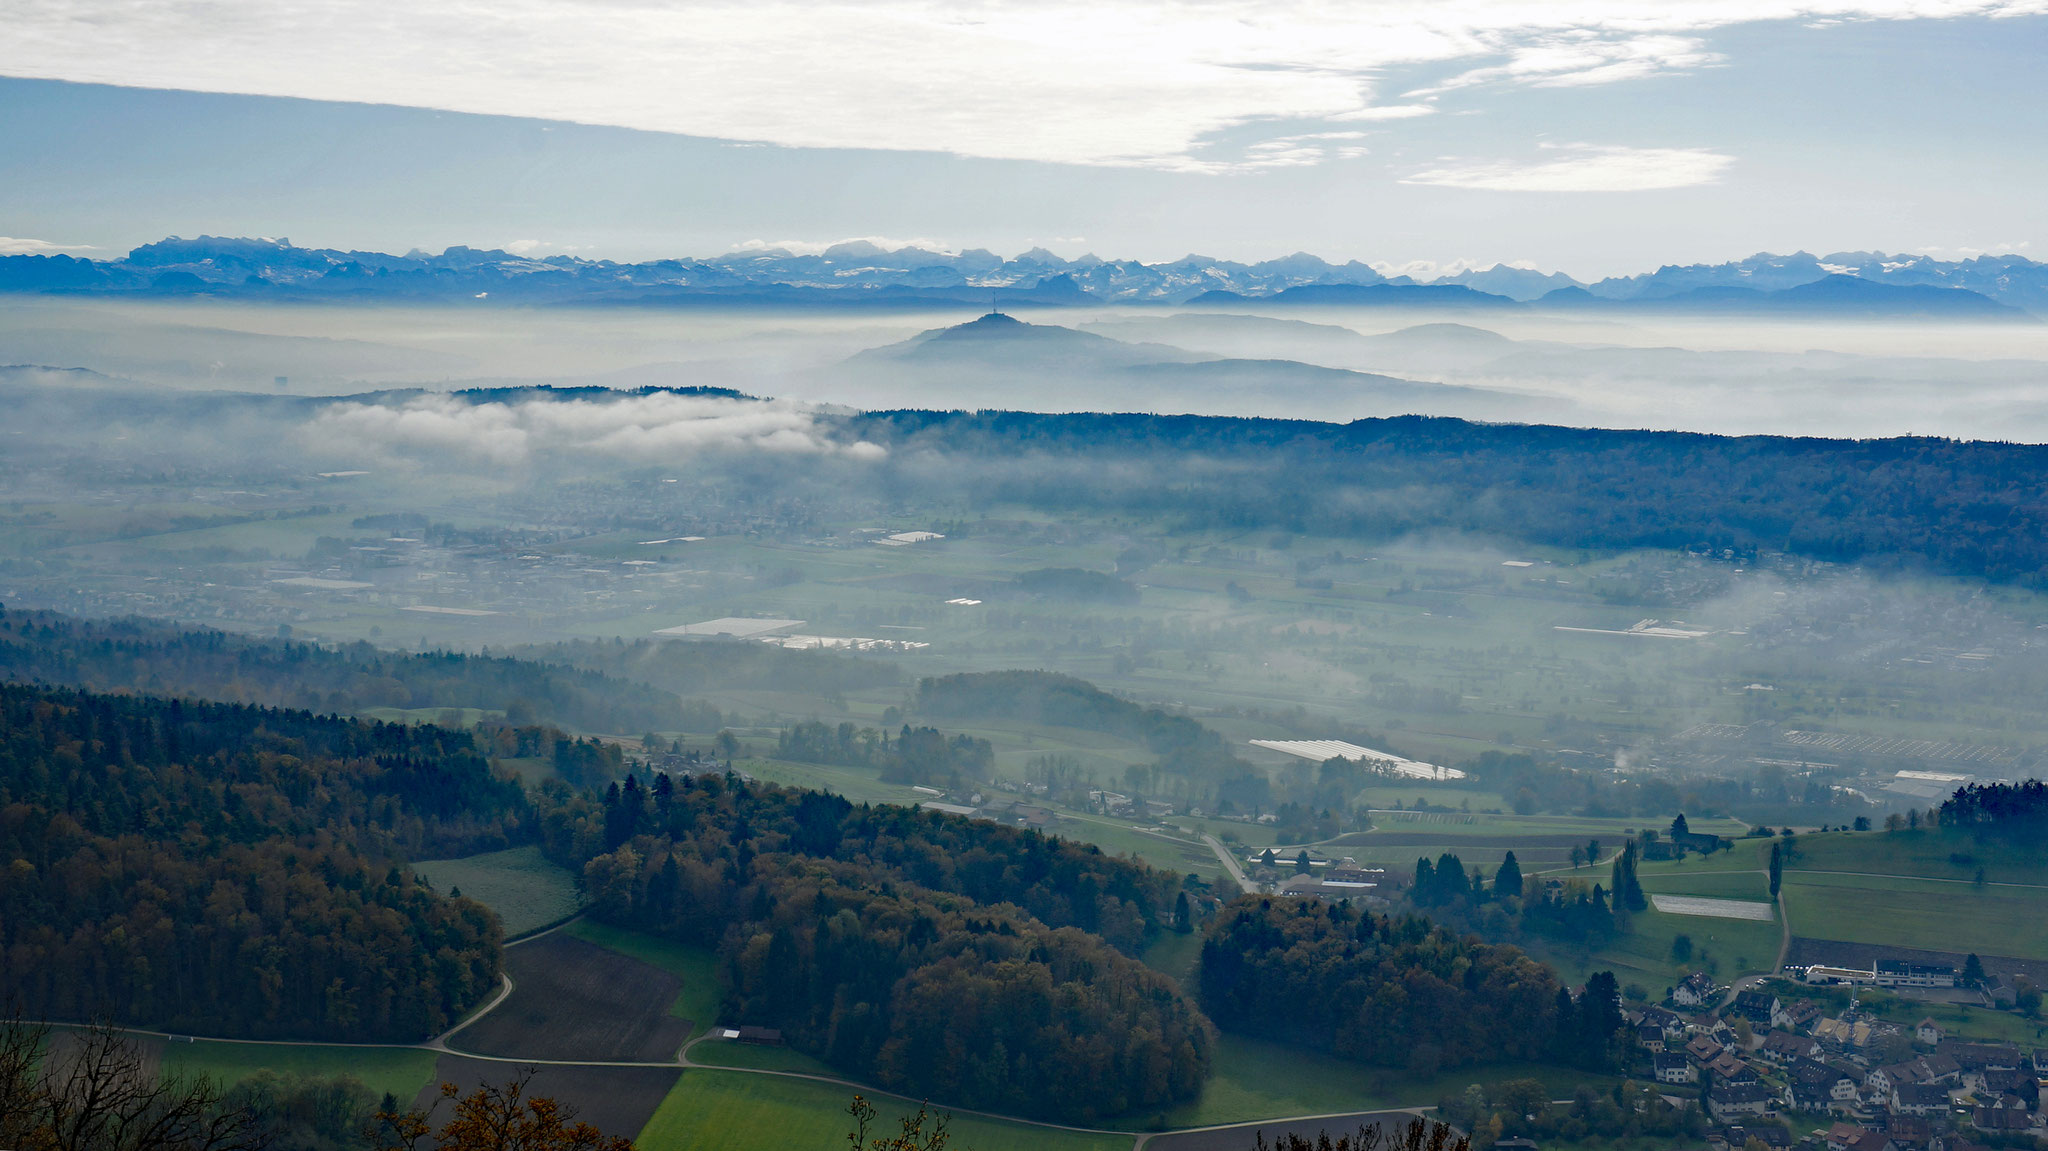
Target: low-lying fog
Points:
(1700, 374)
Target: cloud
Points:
(539, 247)
(819, 247)
(1583, 168)
(1302, 150)
(1122, 82)
(651, 428)
(21, 246)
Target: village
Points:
(1786, 1056)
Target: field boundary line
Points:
(1145, 1137)
(1918, 878)
(193, 1037)
(683, 1064)
(545, 928)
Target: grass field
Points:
(1928, 853)
(525, 889)
(1918, 889)
(1931, 914)
(401, 1071)
(721, 1053)
(727, 1111)
(1255, 1079)
(1729, 947)
(1717, 884)
(697, 967)
(1175, 955)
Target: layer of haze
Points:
(1964, 381)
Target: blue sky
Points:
(1593, 137)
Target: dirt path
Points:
(1178, 1139)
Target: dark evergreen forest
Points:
(238, 871)
(162, 659)
(985, 965)
(1396, 991)
(1967, 508)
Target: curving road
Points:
(1216, 1137)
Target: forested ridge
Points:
(1968, 508)
(1395, 991)
(162, 659)
(2015, 811)
(1183, 744)
(984, 965)
(917, 755)
(237, 871)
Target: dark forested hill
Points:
(235, 870)
(1182, 743)
(1975, 509)
(160, 658)
(983, 965)
(1397, 992)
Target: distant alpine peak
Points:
(275, 268)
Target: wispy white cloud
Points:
(662, 426)
(816, 247)
(22, 246)
(1129, 82)
(1302, 150)
(539, 247)
(1582, 168)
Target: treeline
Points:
(1510, 908)
(1396, 991)
(1184, 746)
(918, 755)
(161, 659)
(1531, 785)
(1523, 1108)
(237, 871)
(984, 965)
(2009, 810)
(688, 668)
(1969, 508)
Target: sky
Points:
(1591, 136)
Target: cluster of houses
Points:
(1327, 876)
(1758, 1056)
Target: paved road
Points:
(1229, 862)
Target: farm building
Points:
(1694, 990)
(1756, 1006)
(1780, 1048)
(1925, 1069)
(1671, 1067)
(1823, 974)
(1899, 973)
(1324, 750)
(1796, 1015)
(1734, 1100)
(1920, 1099)
(1842, 1135)
(1818, 1086)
